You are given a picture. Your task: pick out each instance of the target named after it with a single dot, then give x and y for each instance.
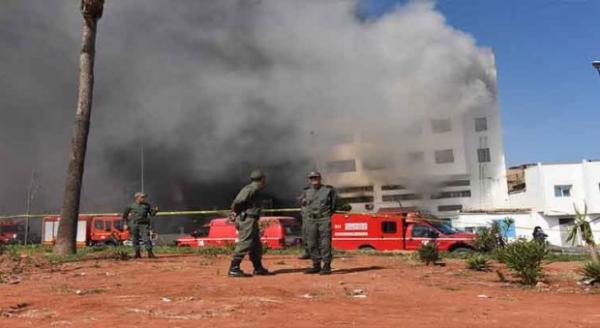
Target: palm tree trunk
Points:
(593, 252)
(67, 230)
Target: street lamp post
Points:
(596, 64)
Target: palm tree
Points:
(67, 230)
(583, 229)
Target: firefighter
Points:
(318, 203)
(245, 212)
(539, 235)
(137, 217)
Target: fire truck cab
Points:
(91, 230)
(395, 231)
(10, 232)
(277, 232)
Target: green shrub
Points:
(428, 253)
(478, 262)
(488, 239)
(591, 271)
(524, 258)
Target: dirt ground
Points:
(364, 291)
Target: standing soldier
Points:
(305, 255)
(245, 212)
(318, 203)
(137, 217)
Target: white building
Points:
(446, 164)
(553, 191)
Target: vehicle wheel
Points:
(462, 251)
(366, 249)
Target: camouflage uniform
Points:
(247, 207)
(318, 206)
(138, 218)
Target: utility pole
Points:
(31, 191)
(142, 164)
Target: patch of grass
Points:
(215, 251)
(560, 257)
(478, 262)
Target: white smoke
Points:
(217, 86)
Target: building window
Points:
(481, 124)
(562, 190)
(444, 156)
(393, 187)
(341, 166)
(441, 126)
(389, 227)
(372, 165)
(483, 155)
(455, 183)
(359, 199)
(355, 189)
(452, 194)
(395, 198)
(448, 208)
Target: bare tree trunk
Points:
(67, 229)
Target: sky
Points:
(549, 92)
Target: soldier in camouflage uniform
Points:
(137, 217)
(318, 203)
(246, 209)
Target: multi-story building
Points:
(445, 165)
(554, 192)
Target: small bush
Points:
(591, 271)
(478, 262)
(428, 253)
(524, 258)
(489, 239)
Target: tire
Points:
(366, 249)
(462, 250)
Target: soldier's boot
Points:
(259, 269)
(316, 268)
(151, 254)
(234, 269)
(326, 269)
(138, 254)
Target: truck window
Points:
(118, 224)
(389, 227)
(108, 225)
(99, 224)
(421, 231)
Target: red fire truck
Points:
(11, 231)
(395, 231)
(277, 232)
(91, 230)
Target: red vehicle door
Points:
(417, 234)
(391, 234)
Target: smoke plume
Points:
(213, 89)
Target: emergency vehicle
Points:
(91, 230)
(277, 232)
(395, 231)
(10, 232)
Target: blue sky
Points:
(549, 92)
